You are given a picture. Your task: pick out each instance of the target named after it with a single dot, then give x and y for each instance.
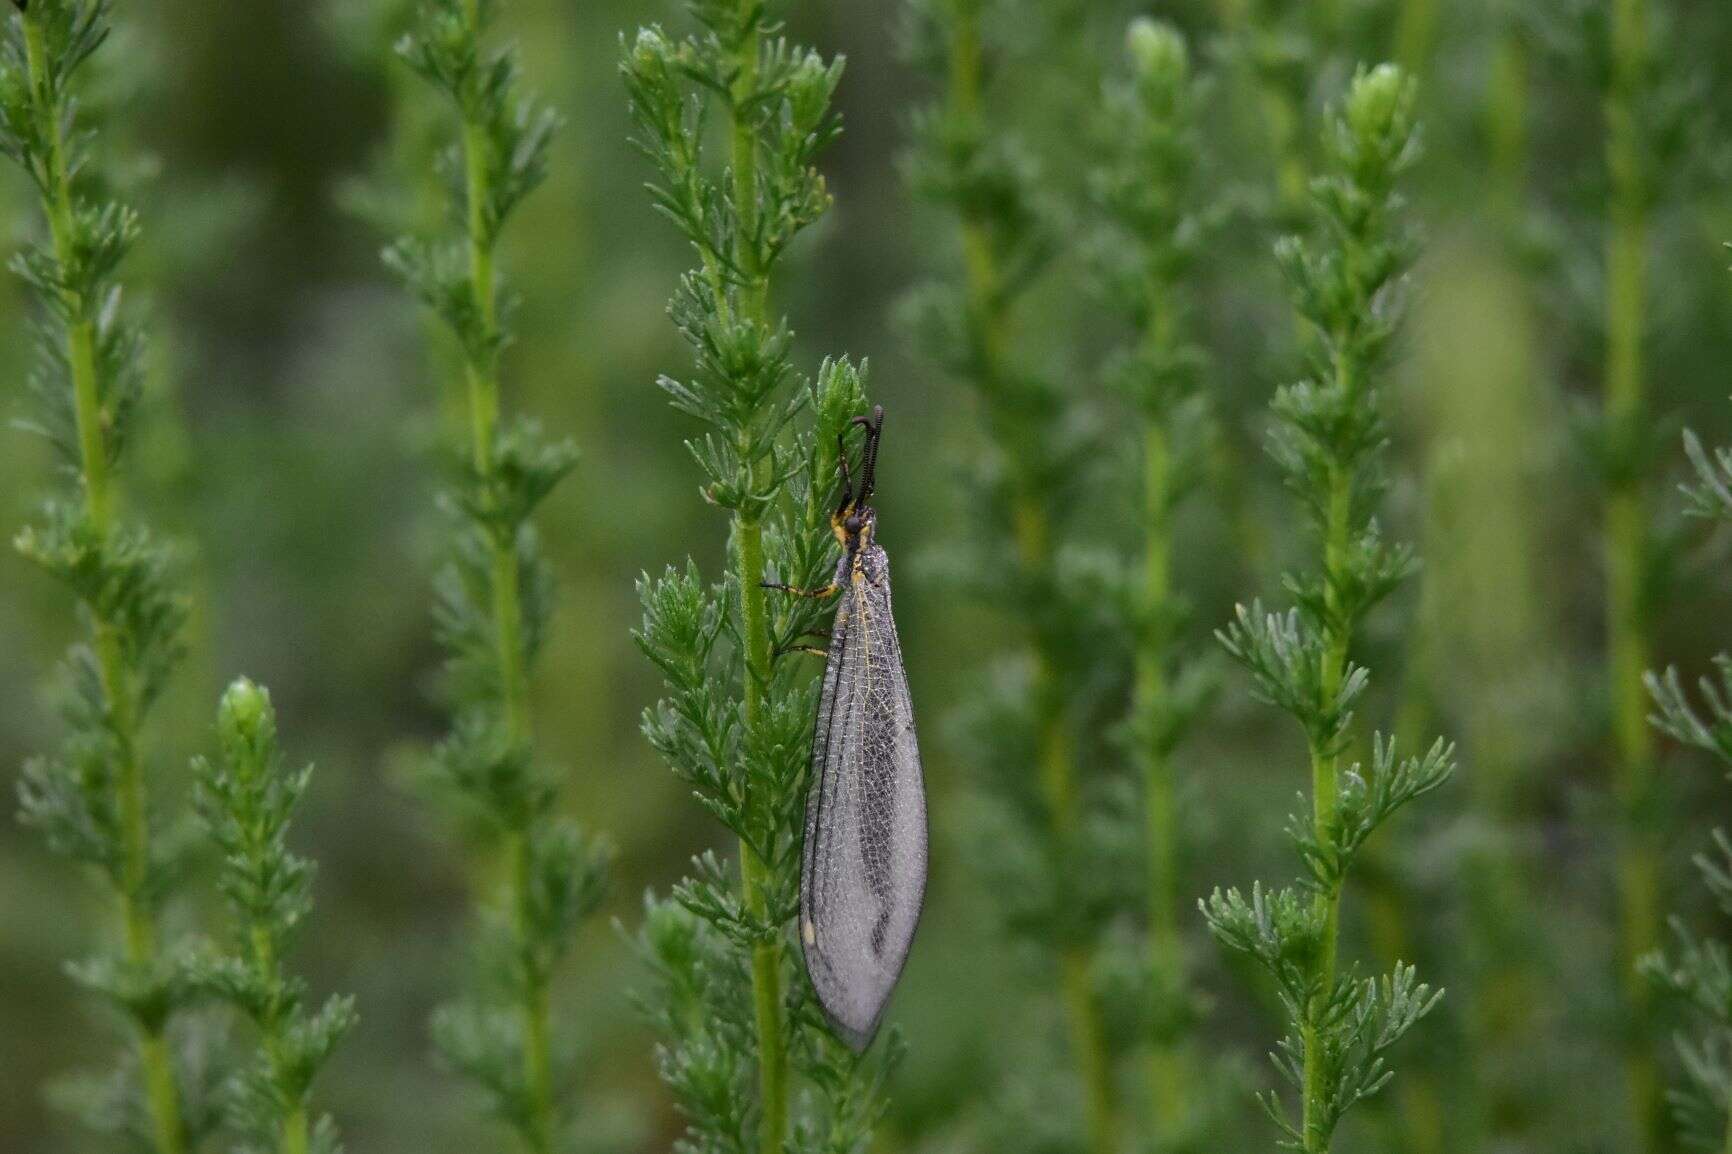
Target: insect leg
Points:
(822, 594)
(793, 645)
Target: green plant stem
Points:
(1087, 1032)
(743, 158)
(984, 299)
(1506, 120)
(484, 409)
(161, 1089)
(297, 1137)
(483, 380)
(1627, 544)
(1166, 1066)
(1325, 789)
(1167, 1081)
(773, 1061)
(766, 955)
(1088, 1040)
(1417, 34)
(296, 1134)
(533, 1010)
(981, 276)
(1276, 118)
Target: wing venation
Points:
(863, 874)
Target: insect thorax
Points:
(869, 563)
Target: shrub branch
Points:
(1328, 438)
(92, 802)
(740, 1030)
(494, 600)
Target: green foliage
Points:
(1154, 226)
(247, 798)
(1271, 58)
(1711, 496)
(1327, 438)
(494, 599)
(91, 800)
(779, 105)
(965, 162)
(311, 409)
(733, 1008)
(1019, 548)
(1147, 191)
(1653, 145)
(1708, 727)
(1699, 969)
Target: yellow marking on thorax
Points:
(811, 933)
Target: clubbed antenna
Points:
(874, 427)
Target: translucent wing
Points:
(863, 874)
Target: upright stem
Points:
(533, 1010)
(1325, 788)
(983, 295)
(743, 160)
(1417, 33)
(766, 955)
(93, 423)
(161, 1091)
(296, 1136)
(1058, 777)
(297, 1132)
(1167, 1082)
(1088, 1041)
(484, 408)
(754, 620)
(980, 274)
(1507, 118)
(1627, 543)
(1166, 947)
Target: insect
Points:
(863, 869)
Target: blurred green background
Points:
(290, 444)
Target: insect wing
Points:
(863, 873)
